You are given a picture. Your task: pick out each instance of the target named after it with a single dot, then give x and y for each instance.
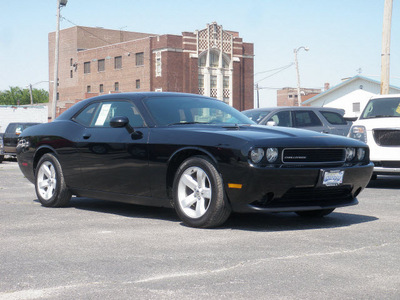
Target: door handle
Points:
(86, 136)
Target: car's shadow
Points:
(385, 182)
(250, 222)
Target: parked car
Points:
(379, 127)
(10, 137)
(196, 154)
(321, 119)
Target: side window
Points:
(85, 117)
(306, 119)
(333, 118)
(282, 118)
(110, 109)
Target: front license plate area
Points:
(332, 177)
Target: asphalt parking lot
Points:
(103, 250)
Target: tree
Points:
(17, 96)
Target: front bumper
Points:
(296, 189)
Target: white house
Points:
(351, 95)
(22, 113)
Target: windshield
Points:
(177, 110)
(382, 108)
(256, 115)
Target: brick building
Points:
(93, 61)
(288, 96)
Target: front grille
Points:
(303, 155)
(387, 137)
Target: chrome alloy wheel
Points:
(194, 192)
(46, 180)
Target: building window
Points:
(101, 65)
(226, 82)
(88, 89)
(71, 74)
(138, 83)
(101, 88)
(158, 64)
(214, 59)
(58, 96)
(71, 62)
(201, 81)
(116, 86)
(213, 82)
(86, 67)
(356, 107)
(118, 62)
(140, 59)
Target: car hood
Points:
(379, 123)
(259, 135)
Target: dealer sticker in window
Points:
(333, 178)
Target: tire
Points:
(50, 186)
(315, 213)
(199, 196)
(1, 158)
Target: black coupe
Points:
(194, 153)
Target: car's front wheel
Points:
(199, 196)
(50, 186)
(315, 213)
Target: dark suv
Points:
(321, 119)
(10, 138)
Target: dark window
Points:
(306, 119)
(101, 65)
(71, 74)
(140, 59)
(85, 117)
(88, 89)
(71, 62)
(118, 62)
(116, 86)
(334, 118)
(281, 118)
(356, 107)
(86, 67)
(101, 88)
(138, 83)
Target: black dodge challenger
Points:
(194, 153)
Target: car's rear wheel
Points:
(315, 213)
(50, 186)
(199, 196)
(1, 158)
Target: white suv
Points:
(379, 127)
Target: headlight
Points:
(272, 154)
(350, 153)
(256, 155)
(360, 153)
(358, 133)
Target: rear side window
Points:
(282, 118)
(306, 119)
(333, 118)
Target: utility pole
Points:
(385, 58)
(298, 73)
(30, 93)
(57, 47)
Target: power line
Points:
(279, 70)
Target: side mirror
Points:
(271, 123)
(119, 122)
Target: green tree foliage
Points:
(17, 96)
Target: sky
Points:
(344, 36)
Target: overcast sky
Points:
(344, 36)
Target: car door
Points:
(112, 159)
(307, 119)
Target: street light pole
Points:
(57, 47)
(298, 73)
(385, 58)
